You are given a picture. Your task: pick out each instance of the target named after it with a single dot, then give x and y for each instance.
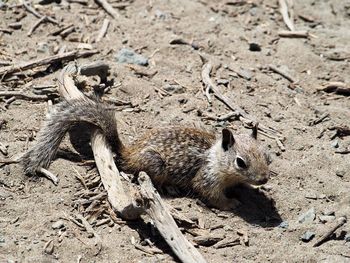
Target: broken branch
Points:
(45, 61)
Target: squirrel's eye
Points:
(241, 163)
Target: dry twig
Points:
(282, 73)
(20, 95)
(103, 30)
(295, 34)
(243, 116)
(332, 228)
(108, 8)
(286, 14)
(35, 13)
(49, 175)
(45, 61)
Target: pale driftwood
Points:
(35, 26)
(287, 16)
(165, 224)
(243, 116)
(294, 34)
(49, 175)
(103, 30)
(108, 8)
(120, 200)
(45, 61)
(332, 228)
(35, 13)
(123, 202)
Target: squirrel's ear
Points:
(227, 139)
(255, 131)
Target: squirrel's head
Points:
(243, 158)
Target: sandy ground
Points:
(310, 174)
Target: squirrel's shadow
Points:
(256, 207)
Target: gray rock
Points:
(58, 224)
(129, 56)
(160, 15)
(308, 216)
(347, 237)
(279, 117)
(245, 73)
(174, 88)
(284, 225)
(335, 144)
(43, 47)
(224, 82)
(307, 236)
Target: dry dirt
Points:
(310, 174)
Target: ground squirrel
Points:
(185, 157)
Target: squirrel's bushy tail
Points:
(59, 121)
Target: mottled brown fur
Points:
(186, 157)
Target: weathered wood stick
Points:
(165, 224)
(124, 202)
(20, 95)
(108, 8)
(282, 73)
(332, 228)
(244, 117)
(103, 30)
(44, 61)
(285, 14)
(120, 200)
(294, 34)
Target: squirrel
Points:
(188, 158)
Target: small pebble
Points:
(335, 144)
(340, 172)
(246, 74)
(160, 15)
(347, 237)
(307, 236)
(311, 196)
(278, 118)
(284, 225)
(58, 224)
(224, 82)
(129, 56)
(254, 47)
(308, 216)
(174, 88)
